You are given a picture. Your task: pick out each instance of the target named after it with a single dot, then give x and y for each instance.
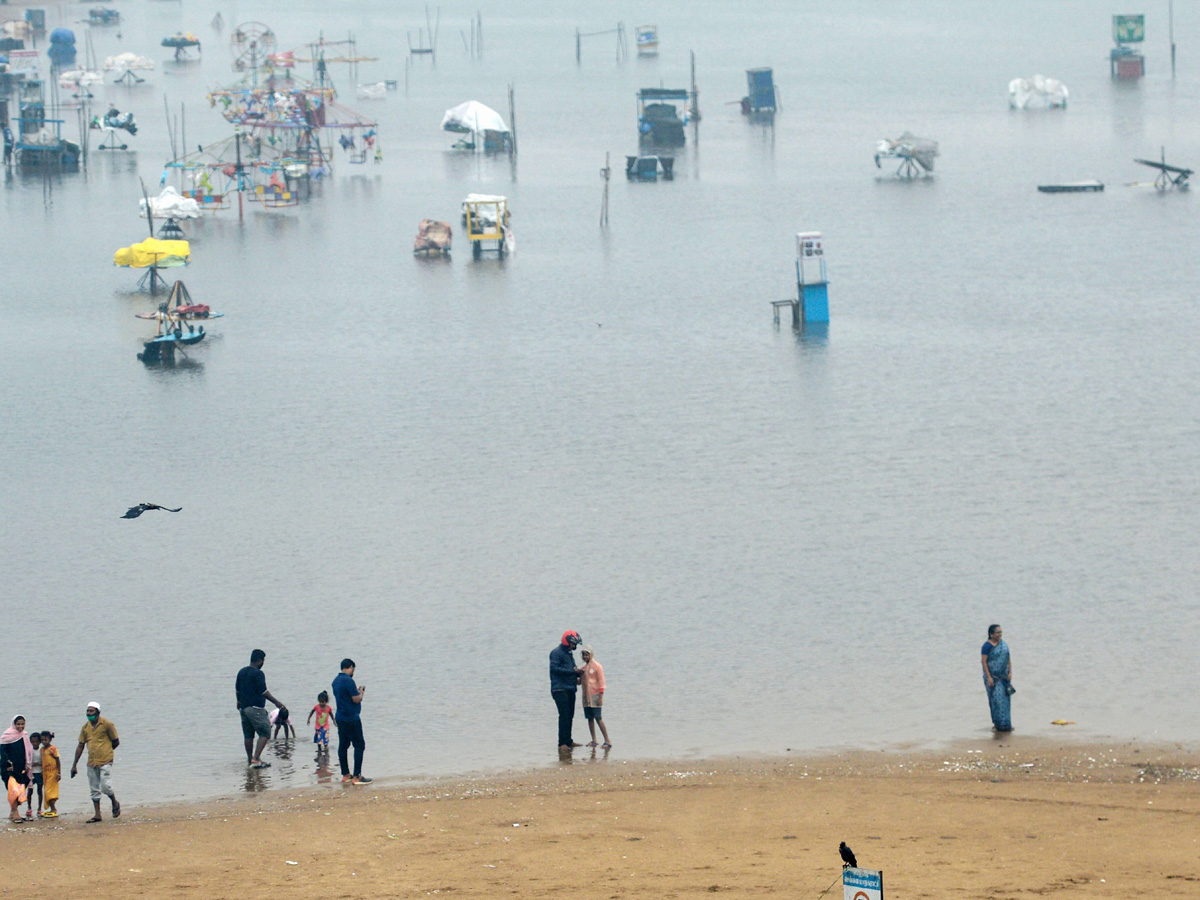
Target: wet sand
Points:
(1021, 819)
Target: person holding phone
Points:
(348, 698)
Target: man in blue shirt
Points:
(348, 697)
(564, 681)
(252, 697)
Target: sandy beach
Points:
(1024, 819)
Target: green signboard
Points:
(1129, 29)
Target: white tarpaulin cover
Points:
(123, 61)
(473, 117)
(169, 205)
(78, 78)
(1038, 92)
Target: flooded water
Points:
(435, 467)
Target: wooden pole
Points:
(578, 42)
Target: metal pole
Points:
(578, 41)
(1171, 28)
(237, 140)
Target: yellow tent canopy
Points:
(153, 252)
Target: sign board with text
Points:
(862, 884)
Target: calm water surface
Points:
(773, 541)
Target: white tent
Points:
(473, 117)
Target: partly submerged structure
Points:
(760, 97)
(153, 254)
(1038, 92)
(179, 325)
(1169, 177)
(648, 168)
(811, 306)
(181, 41)
(646, 39)
(39, 141)
(916, 154)
(486, 127)
(1125, 61)
(433, 238)
(486, 218)
(659, 120)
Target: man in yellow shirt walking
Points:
(100, 737)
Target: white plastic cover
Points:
(123, 61)
(169, 205)
(473, 117)
(77, 78)
(1038, 92)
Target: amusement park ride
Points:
(284, 127)
(1168, 176)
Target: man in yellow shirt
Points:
(100, 737)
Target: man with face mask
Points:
(100, 737)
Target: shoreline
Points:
(1036, 758)
(1111, 819)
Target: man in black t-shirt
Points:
(252, 697)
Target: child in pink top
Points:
(592, 680)
(322, 723)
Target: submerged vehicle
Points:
(487, 217)
(648, 168)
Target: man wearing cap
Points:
(100, 737)
(564, 681)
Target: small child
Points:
(280, 719)
(35, 775)
(593, 696)
(51, 773)
(324, 720)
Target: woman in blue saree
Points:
(997, 678)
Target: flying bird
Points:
(134, 511)
(847, 856)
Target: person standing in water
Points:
(592, 681)
(250, 686)
(564, 683)
(997, 678)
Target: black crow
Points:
(847, 856)
(134, 511)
